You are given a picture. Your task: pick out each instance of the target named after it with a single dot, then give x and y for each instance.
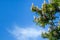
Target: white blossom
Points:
(59, 7)
(32, 4)
(50, 1)
(34, 17)
(37, 6)
(49, 29)
(50, 9)
(44, 1)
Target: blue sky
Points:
(16, 17)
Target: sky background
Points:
(16, 20)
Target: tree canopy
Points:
(46, 15)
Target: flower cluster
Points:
(47, 12)
(52, 34)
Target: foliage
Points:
(46, 15)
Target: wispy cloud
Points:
(28, 33)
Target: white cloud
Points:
(28, 33)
